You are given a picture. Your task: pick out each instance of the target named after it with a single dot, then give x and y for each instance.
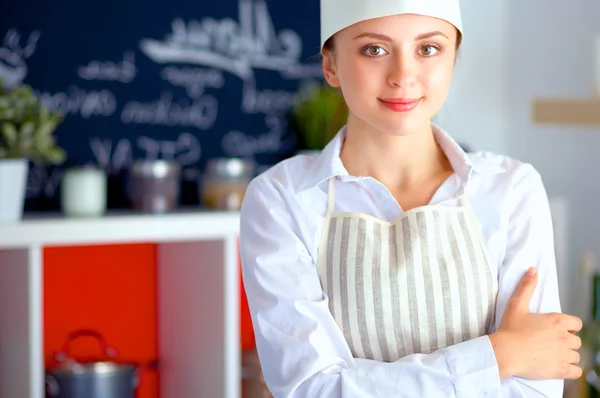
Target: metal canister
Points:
(154, 185)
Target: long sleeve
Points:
(530, 243)
(302, 350)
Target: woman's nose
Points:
(403, 71)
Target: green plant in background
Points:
(318, 116)
(27, 127)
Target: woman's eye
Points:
(374, 51)
(429, 50)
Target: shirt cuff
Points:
(474, 368)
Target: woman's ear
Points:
(330, 70)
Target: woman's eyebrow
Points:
(379, 36)
(430, 35)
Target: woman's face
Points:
(395, 72)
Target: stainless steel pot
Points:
(90, 378)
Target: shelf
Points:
(119, 226)
(197, 285)
(567, 111)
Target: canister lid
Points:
(230, 167)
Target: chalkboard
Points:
(179, 79)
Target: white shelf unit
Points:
(197, 296)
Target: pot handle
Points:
(141, 370)
(110, 352)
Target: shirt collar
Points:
(328, 163)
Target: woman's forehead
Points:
(402, 26)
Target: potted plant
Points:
(317, 116)
(26, 133)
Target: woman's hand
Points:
(266, 392)
(536, 346)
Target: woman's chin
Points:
(406, 127)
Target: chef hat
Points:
(339, 14)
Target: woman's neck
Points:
(399, 162)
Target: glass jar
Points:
(224, 183)
(154, 186)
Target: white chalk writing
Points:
(78, 101)
(235, 47)
(200, 113)
(237, 143)
(123, 71)
(43, 182)
(194, 80)
(113, 160)
(118, 156)
(13, 68)
(303, 71)
(265, 101)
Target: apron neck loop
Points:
(331, 196)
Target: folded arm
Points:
(530, 244)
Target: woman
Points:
(385, 266)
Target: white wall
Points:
(515, 51)
(475, 112)
(551, 54)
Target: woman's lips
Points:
(400, 104)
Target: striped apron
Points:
(414, 285)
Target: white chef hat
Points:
(339, 14)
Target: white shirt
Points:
(302, 350)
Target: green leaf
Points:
(55, 156)
(47, 128)
(27, 129)
(10, 134)
(27, 126)
(318, 115)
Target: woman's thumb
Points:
(525, 291)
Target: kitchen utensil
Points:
(92, 377)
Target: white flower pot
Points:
(13, 183)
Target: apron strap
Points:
(471, 215)
(331, 196)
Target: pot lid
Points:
(97, 368)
